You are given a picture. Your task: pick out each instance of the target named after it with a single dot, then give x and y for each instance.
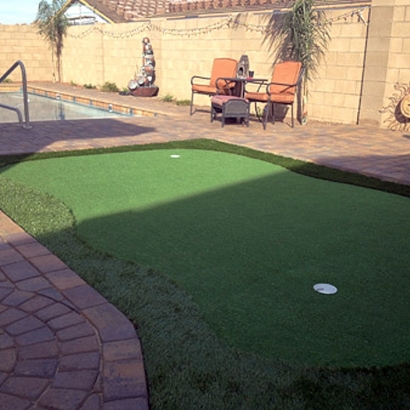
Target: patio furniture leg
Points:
(213, 113)
(273, 112)
(192, 102)
(293, 121)
(265, 115)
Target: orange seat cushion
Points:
(204, 89)
(223, 67)
(283, 98)
(284, 73)
(256, 96)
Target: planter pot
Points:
(145, 91)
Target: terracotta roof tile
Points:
(106, 8)
(186, 6)
(120, 11)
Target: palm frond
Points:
(303, 35)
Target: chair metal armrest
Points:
(199, 77)
(227, 82)
(275, 83)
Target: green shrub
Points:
(90, 86)
(168, 98)
(183, 102)
(109, 87)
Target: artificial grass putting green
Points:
(248, 240)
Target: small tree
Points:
(303, 35)
(52, 26)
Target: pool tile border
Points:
(123, 109)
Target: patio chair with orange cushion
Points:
(281, 89)
(222, 68)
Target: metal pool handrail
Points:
(26, 124)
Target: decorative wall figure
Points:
(143, 83)
(398, 119)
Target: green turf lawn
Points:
(247, 240)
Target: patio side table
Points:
(230, 107)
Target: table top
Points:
(244, 79)
(240, 83)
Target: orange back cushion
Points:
(223, 67)
(287, 73)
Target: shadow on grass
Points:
(249, 255)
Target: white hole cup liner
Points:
(175, 156)
(325, 288)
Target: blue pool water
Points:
(49, 109)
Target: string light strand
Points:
(226, 22)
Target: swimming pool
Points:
(44, 108)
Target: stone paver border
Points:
(62, 345)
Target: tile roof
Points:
(132, 10)
(121, 11)
(203, 6)
(102, 8)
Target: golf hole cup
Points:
(325, 288)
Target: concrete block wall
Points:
(21, 42)
(335, 94)
(387, 58)
(100, 53)
(185, 47)
(187, 52)
(398, 66)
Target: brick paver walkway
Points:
(62, 345)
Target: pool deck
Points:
(62, 345)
